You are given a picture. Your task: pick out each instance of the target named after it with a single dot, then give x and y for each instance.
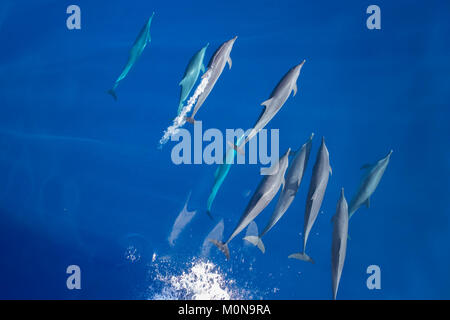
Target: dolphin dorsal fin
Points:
(267, 102)
(229, 61)
(314, 196)
(295, 88)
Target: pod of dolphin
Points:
(287, 177)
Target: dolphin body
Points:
(191, 75)
(276, 100)
(220, 175)
(294, 177)
(266, 191)
(339, 243)
(214, 70)
(138, 47)
(316, 192)
(369, 183)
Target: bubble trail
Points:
(180, 120)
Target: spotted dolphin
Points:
(339, 242)
(276, 100)
(191, 75)
(213, 72)
(293, 178)
(220, 175)
(316, 192)
(136, 50)
(369, 183)
(266, 191)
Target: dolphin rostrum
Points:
(266, 191)
(191, 75)
(293, 179)
(276, 100)
(316, 192)
(220, 175)
(369, 183)
(214, 70)
(339, 244)
(136, 50)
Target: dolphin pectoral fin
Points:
(331, 171)
(365, 166)
(222, 247)
(295, 89)
(182, 81)
(283, 184)
(367, 202)
(256, 241)
(229, 62)
(202, 68)
(266, 103)
(302, 257)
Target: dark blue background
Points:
(79, 171)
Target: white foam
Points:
(202, 280)
(180, 120)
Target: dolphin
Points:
(317, 187)
(136, 50)
(213, 72)
(294, 177)
(191, 75)
(266, 191)
(276, 100)
(220, 175)
(339, 244)
(369, 183)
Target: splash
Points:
(202, 280)
(180, 120)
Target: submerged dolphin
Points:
(213, 72)
(293, 179)
(339, 244)
(139, 44)
(266, 191)
(369, 183)
(276, 100)
(317, 187)
(220, 175)
(191, 75)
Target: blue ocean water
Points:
(82, 181)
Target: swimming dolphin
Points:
(191, 75)
(339, 243)
(214, 70)
(317, 187)
(220, 175)
(136, 50)
(369, 183)
(266, 191)
(293, 178)
(276, 100)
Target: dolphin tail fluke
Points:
(113, 93)
(190, 120)
(301, 256)
(236, 148)
(256, 241)
(222, 247)
(208, 212)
